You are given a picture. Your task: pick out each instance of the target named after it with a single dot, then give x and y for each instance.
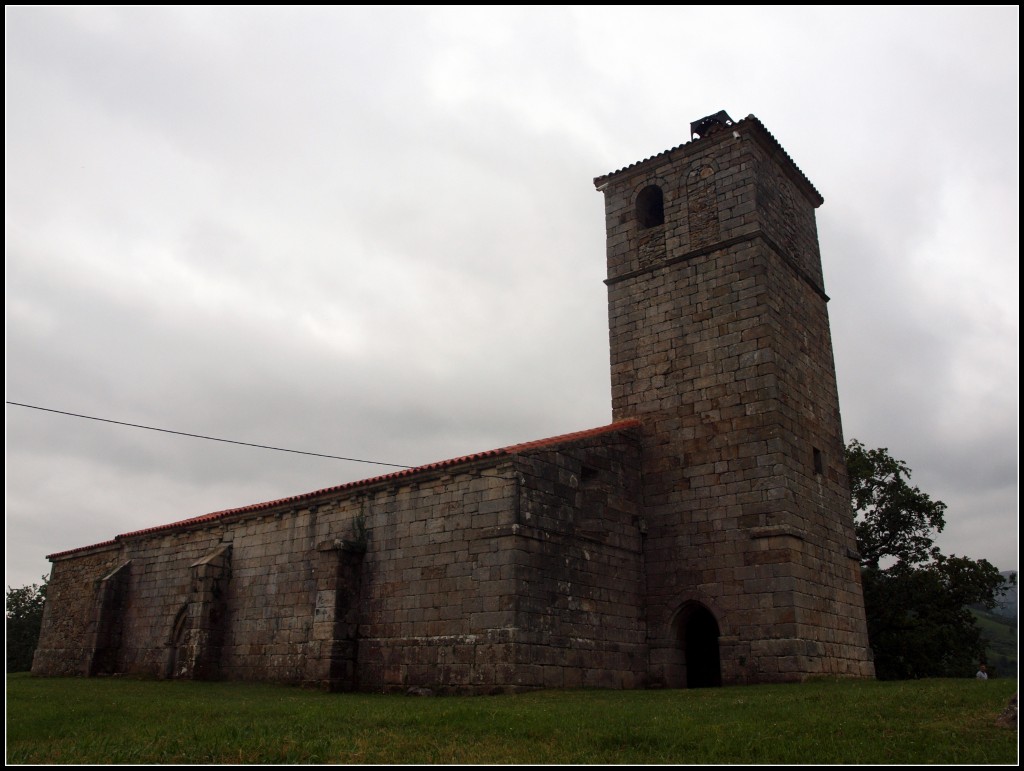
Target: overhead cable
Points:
(209, 438)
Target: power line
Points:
(209, 438)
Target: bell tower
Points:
(720, 345)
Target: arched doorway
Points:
(176, 659)
(696, 634)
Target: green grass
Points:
(118, 720)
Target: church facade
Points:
(704, 537)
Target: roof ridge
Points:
(751, 119)
(511, 449)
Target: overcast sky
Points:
(373, 232)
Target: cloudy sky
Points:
(373, 233)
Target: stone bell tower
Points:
(720, 345)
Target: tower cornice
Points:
(750, 125)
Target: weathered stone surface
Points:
(1008, 717)
(723, 350)
(704, 538)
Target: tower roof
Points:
(751, 124)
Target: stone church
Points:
(704, 537)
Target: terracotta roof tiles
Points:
(751, 119)
(382, 479)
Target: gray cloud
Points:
(372, 233)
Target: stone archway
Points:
(197, 633)
(696, 632)
(176, 655)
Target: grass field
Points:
(118, 720)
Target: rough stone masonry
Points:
(704, 537)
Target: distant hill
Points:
(999, 628)
(1000, 635)
(1007, 604)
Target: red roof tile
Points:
(815, 195)
(383, 479)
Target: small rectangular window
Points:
(819, 463)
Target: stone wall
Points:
(721, 345)
(67, 638)
(580, 588)
(437, 568)
(471, 578)
(706, 538)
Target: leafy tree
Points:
(24, 610)
(915, 597)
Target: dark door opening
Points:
(698, 633)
